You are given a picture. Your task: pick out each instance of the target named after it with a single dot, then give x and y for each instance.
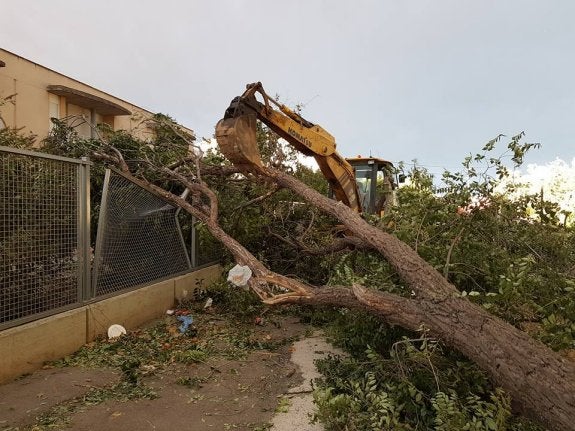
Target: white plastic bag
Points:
(239, 275)
(115, 331)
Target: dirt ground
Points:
(235, 382)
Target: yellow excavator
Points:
(365, 184)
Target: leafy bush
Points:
(235, 300)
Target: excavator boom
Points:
(236, 136)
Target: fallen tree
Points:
(540, 381)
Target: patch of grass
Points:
(191, 382)
(191, 356)
(245, 340)
(149, 346)
(60, 415)
(283, 406)
(241, 303)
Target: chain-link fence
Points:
(139, 238)
(44, 231)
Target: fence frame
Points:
(83, 230)
(102, 218)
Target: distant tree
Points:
(553, 183)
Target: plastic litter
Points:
(239, 275)
(186, 320)
(170, 312)
(115, 331)
(208, 303)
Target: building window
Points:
(54, 109)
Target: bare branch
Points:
(309, 226)
(117, 161)
(259, 198)
(451, 247)
(339, 244)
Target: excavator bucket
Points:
(236, 138)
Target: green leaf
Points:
(491, 424)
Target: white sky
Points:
(431, 80)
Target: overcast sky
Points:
(427, 80)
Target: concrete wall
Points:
(25, 348)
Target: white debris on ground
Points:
(115, 331)
(301, 407)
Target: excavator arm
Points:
(236, 136)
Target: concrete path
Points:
(301, 408)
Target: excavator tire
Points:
(237, 140)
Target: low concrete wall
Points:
(25, 348)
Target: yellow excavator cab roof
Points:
(368, 160)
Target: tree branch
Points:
(261, 198)
(339, 244)
(451, 247)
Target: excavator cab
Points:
(375, 183)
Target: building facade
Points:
(31, 94)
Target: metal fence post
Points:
(194, 244)
(84, 291)
(191, 257)
(100, 232)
